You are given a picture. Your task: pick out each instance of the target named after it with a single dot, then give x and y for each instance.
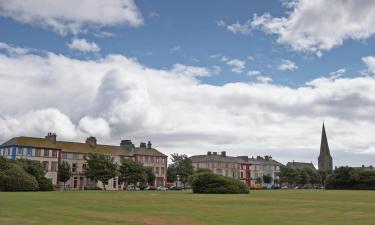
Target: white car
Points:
(162, 188)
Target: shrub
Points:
(14, 178)
(45, 184)
(209, 183)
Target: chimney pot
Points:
(149, 145)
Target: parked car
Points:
(176, 188)
(151, 188)
(162, 188)
(131, 188)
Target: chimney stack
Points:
(208, 153)
(142, 145)
(91, 141)
(223, 153)
(149, 145)
(214, 153)
(51, 137)
(128, 144)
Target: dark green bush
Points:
(45, 184)
(209, 183)
(14, 178)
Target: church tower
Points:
(325, 158)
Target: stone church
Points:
(325, 158)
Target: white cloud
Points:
(72, 16)
(116, 98)
(316, 26)
(264, 79)
(238, 66)
(221, 23)
(176, 48)
(287, 65)
(216, 70)
(83, 45)
(370, 63)
(189, 71)
(253, 72)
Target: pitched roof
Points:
(78, 147)
(300, 165)
(213, 158)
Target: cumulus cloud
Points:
(72, 16)
(264, 79)
(116, 97)
(238, 66)
(370, 63)
(190, 71)
(83, 45)
(253, 72)
(287, 65)
(309, 25)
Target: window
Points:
(157, 160)
(162, 170)
(152, 159)
(146, 159)
(45, 165)
(74, 167)
(157, 170)
(53, 166)
(241, 174)
(29, 152)
(64, 155)
(19, 151)
(114, 182)
(75, 156)
(54, 153)
(84, 167)
(37, 153)
(46, 153)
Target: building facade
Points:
(241, 167)
(50, 152)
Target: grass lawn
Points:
(299, 207)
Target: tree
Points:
(35, 169)
(258, 180)
(150, 175)
(15, 178)
(132, 172)
(100, 167)
(203, 170)
(65, 172)
(267, 179)
(184, 167)
(171, 173)
(288, 175)
(303, 177)
(314, 176)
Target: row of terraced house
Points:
(50, 152)
(247, 169)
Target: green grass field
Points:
(300, 207)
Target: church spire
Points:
(325, 158)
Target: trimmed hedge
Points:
(14, 178)
(45, 184)
(209, 183)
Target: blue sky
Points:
(190, 28)
(249, 77)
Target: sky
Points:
(247, 77)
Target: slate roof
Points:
(231, 159)
(79, 147)
(300, 165)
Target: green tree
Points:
(150, 175)
(14, 178)
(288, 175)
(35, 169)
(267, 179)
(203, 170)
(65, 172)
(171, 174)
(303, 177)
(184, 167)
(132, 172)
(258, 180)
(314, 176)
(100, 167)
